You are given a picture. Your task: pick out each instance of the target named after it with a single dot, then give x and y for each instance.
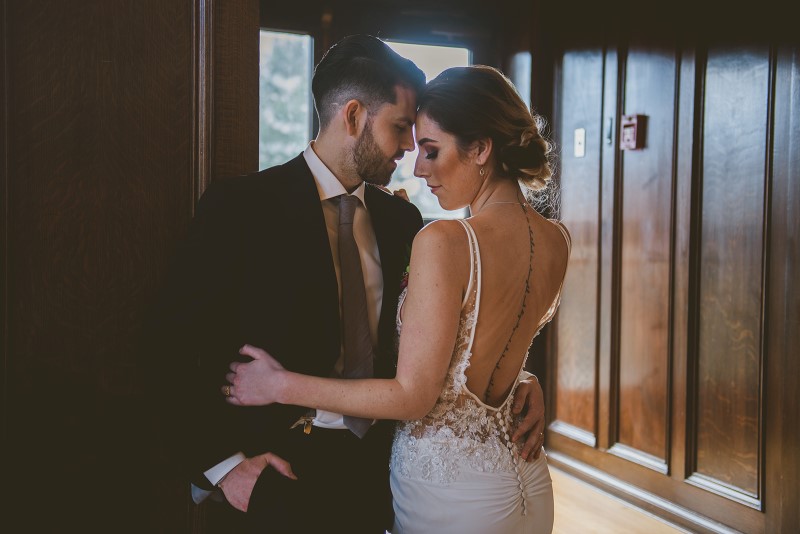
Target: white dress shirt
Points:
(329, 188)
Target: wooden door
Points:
(672, 326)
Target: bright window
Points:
(285, 108)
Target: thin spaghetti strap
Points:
(551, 311)
(474, 286)
(474, 273)
(474, 261)
(565, 233)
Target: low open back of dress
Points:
(471, 316)
(462, 436)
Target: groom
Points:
(261, 265)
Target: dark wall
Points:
(99, 185)
(107, 141)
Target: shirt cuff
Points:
(199, 494)
(218, 472)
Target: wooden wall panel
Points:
(647, 189)
(682, 271)
(731, 266)
(607, 338)
(782, 377)
(236, 27)
(581, 72)
(4, 211)
(99, 188)
(697, 311)
(107, 141)
(731, 223)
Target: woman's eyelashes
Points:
(431, 154)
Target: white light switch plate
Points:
(580, 142)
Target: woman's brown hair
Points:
(479, 102)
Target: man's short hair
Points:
(364, 68)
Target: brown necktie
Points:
(358, 350)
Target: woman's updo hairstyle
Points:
(479, 102)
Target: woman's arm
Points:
(438, 273)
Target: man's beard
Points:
(372, 166)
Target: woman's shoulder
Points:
(443, 230)
(446, 237)
(564, 232)
(441, 254)
(560, 247)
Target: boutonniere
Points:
(404, 278)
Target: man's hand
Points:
(238, 484)
(529, 408)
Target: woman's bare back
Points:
(502, 338)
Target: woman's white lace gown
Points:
(456, 470)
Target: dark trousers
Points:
(342, 486)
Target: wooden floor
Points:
(582, 509)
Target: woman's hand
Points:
(402, 193)
(529, 408)
(255, 383)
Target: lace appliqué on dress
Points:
(460, 429)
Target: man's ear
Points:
(355, 116)
(482, 150)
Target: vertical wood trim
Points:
(690, 457)
(673, 266)
(544, 86)
(616, 261)
(608, 165)
(684, 154)
(782, 380)
(551, 344)
(765, 270)
(203, 95)
(4, 205)
(202, 153)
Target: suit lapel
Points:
(310, 257)
(304, 218)
(386, 236)
(314, 274)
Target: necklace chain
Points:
(524, 297)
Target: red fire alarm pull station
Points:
(632, 132)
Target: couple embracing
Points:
(362, 400)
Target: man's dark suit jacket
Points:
(256, 268)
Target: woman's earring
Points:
(482, 171)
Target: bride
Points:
(479, 290)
